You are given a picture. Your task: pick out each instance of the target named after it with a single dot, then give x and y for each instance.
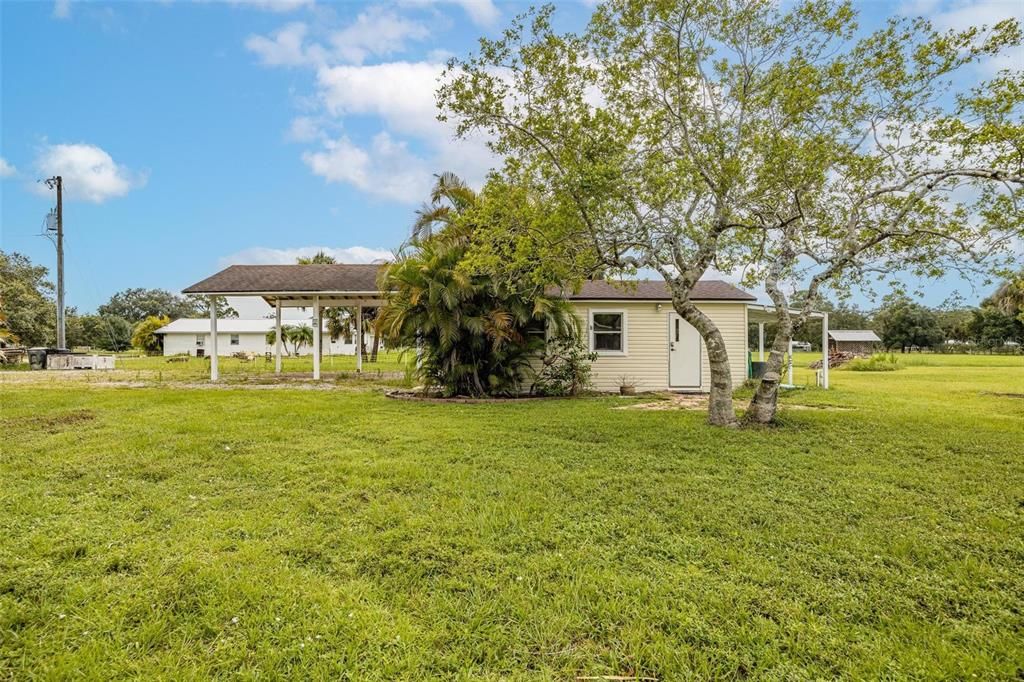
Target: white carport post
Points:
(760, 340)
(316, 338)
(277, 337)
(824, 350)
(214, 371)
(359, 337)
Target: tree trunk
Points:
(720, 407)
(376, 348)
(765, 403)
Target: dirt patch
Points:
(56, 423)
(1004, 395)
(672, 401)
(419, 397)
(691, 401)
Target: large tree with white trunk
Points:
(687, 135)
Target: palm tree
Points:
(299, 335)
(272, 339)
(449, 198)
(471, 331)
(333, 315)
(1009, 297)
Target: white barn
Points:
(188, 336)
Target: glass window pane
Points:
(607, 322)
(536, 328)
(608, 341)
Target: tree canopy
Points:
(774, 138)
(137, 304)
(144, 336)
(26, 300)
(472, 330)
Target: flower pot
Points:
(627, 390)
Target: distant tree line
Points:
(128, 319)
(996, 325)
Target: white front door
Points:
(684, 345)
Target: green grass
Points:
(173, 532)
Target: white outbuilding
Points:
(190, 336)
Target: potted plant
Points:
(627, 385)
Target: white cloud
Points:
(89, 173)
(387, 169)
(480, 12)
(261, 255)
(62, 9)
(303, 129)
(410, 144)
(6, 169)
(964, 14)
(401, 93)
(960, 15)
(280, 6)
(286, 47)
(375, 32)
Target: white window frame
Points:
(625, 330)
(234, 340)
(200, 340)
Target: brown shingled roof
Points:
(657, 290)
(258, 279)
(283, 279)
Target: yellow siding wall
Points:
(646, 358)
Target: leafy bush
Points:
(144, 336)
(879, 362)
(565, 367)
(473, 335)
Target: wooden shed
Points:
(861, 341)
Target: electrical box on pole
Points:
(55, 222)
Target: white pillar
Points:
(791, 362)
(214, 371)
(316, 338)
(824, 350)
(760, 340)
(277, 337)
(359, 337)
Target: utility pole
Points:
(58, 183)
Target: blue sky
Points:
(196, 134)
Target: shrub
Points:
(472, 334)
(879, 362)
(565, 367)
(144, 336)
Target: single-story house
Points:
(634, 330)
(860, 341)
(639, 338)
(191, 336)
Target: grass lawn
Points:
(174, 531)
(199, 368)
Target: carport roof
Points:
(290, 279)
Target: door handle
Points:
(671, 345)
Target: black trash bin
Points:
(37, 358)
(757, 369)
